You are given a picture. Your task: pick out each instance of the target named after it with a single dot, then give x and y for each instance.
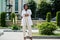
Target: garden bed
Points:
(39, 36)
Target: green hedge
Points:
(47, 28)
(15, 27)
(58, 18)
(3, 17)
(12, 16)
(48, 17)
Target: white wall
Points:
(2, 5)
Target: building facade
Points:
(2, 6)
(17, 5)
(14, 6)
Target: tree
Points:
(32, 6)
(57, 5)
(43, 9)
(53, 8)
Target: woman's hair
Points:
(25, 5)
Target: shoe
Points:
(24, 38)
(31, 38)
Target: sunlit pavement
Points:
(17, 36)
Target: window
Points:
(16, 5)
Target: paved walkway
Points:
(17, 36)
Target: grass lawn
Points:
(37, 34)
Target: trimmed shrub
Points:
(12, 16)
(48, 17)
(14, 27)
(32, 6)
(58, 18)
(47, 28)
(3, 17)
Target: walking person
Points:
(26, 21)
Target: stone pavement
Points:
(17, 36)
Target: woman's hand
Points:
(26, 15)
(21, 17)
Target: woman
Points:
(26, 21)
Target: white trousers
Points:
(29, 29)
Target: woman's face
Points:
(26, 7)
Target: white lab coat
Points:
(29, 20)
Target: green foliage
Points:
(34, 26)
(48, 17)
(32, 6)
(47, 28)
(58, 18)
(14, 27)
(45, 7)
(57, 5)
(3, 17)
(0, 19)
(12, 16)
